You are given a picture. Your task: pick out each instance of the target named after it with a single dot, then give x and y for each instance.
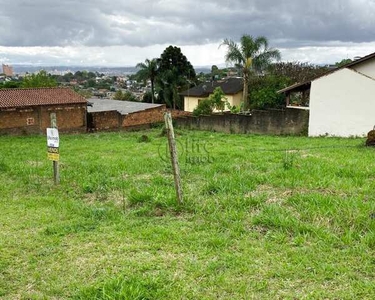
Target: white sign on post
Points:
(53, 137)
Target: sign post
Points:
(53, 143)
(174, 157)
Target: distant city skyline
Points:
(99, 33)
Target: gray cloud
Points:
(287, 23)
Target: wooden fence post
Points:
(174, 157)
(56, 169)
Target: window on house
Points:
(30, 121)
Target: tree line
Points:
(256, 62)
(42, 79)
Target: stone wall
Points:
(274, 122)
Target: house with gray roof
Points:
(232, 88)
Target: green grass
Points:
(265, 218)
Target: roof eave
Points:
(298, 86)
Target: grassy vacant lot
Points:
(258, 222)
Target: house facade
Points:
(232, 88)
(28, 111)
(341, 102)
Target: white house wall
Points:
(342, 104)
(367, 68)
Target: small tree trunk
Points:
(246, 92)
(152, 91)
(174, 98)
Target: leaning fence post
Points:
(174, 157)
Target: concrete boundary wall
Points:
(274, 122)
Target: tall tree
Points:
(250, 55)
(42, 79)
(175, 75)
(149, 70)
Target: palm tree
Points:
(251, 55)
(149, 70)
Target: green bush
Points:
(147, 97)
(234, 109)
(215, 101)
(263, 91)
(205, 107)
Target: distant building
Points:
(8, 70)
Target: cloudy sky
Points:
(124, 32)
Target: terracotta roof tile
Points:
(10, 98)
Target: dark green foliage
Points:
(103, 85)
(144, 139)
(205, 107)
(10, 85)
(148, 70)
(234, 109)
(42, 79)
(91, 83)
(263, 91)
(176, 74)
(147, 97)
(172, 57)
(68, 77)
(125, 96)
